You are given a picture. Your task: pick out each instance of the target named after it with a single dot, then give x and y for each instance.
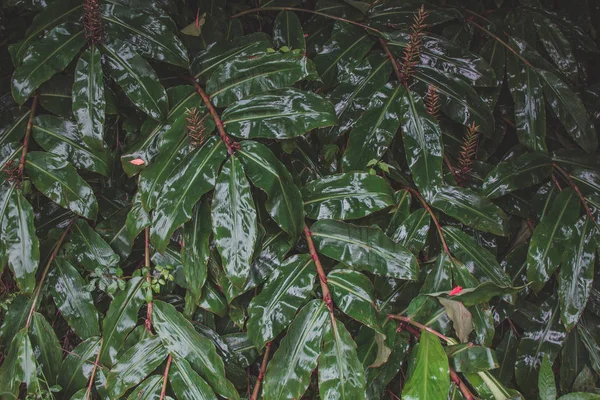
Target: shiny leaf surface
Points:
(429, 376)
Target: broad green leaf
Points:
(287, 290)
(240, 77)
(546, 383)
(379, 377)
(59, 181)
(195, 176)
(134, 365)
(45, 58)
(412, 233)
(186, 383)
(149, 389)
(470, 359)
(216, 54)
(19, 241)
(557, 45)
(13, 128)
(19, 366)
(145, 33)
(422, 140)
(279, 114)
(46, 347)
(569, 110)
(341, 374)
(287, 31)
(136, 77)
(528, 98)
(428, 376)
(364, 248)
(374, 131)
(77, 366)
(73, 299)
(137, 217)
(120, 319)
(480, 262)
(350, 195)
(195, 250)
(403, 200)
(213, 300)
(166, 138)
(516, 173)
(182, 340)
(590, 343)
(266, 172)
(88, 248)
(288, 372)
(550, 238)
(352, 293)
(506, 353)
(62, 137)
(14, 319)
(56, 96)
(234, 221)
(471, 209)
(577, 272)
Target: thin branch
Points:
(567, 176)
(148, 278)
(45, 273)
(261, 374)
(28, 133)
(320, 271)
(256, 10)
(475, 24)
(421, 326)
(88, 393)
(392, 59)
(433, 217)
(165, 376)
(231, 145)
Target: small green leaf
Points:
(546, 383)
(287, 31)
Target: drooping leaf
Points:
(195, 251)
(364, 248)
(346, 196)
(89, 249)
(412, 233)
(19, 366)
(149, 389)
(234, 221)
(285, 292)
(429, 376)
(59, 181)
(46, 347)
(186, 383)
(287, 31)
(462, 320)
(288, 372)
(284, 202)
(517, 173)
(77, 366)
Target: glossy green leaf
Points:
(149, 389)
(341, 374)
(134, 365)
(195, 250)
(471, 359)
(135, 76)
(550, 238)
(186, 383)
(77, 366)
(88, 248)
(213, 300)
(471, 209)
(570, 111)
(13, 128)
(74, 300)
(577, 271)
(506, 353)
(46, 347)
(284, 202)
(279, 114)
(234, 221)
(240, 77)
(285, 292)
(546, 383)
(19, 241)
(412, 233)
(350, 195)
(374, 131)
(516, 173)
(528, 98)
(14, 319)
(364, 248)
(422, 139)
(352, 293)
(88, 98)
(287, 31)
(195, 176)
(120, 319)
(590, 343)
(403, 200)
(429, 376)
(19, 366)
(288, 372)
(145, 33)
(181, 339)
(45, 58)
(62, 137)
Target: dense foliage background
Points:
(339, 200)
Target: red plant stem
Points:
(392, 59)
(320, 271)
(28, 133)
(433, 217)
(461, 385)
(88, 393)
(566, 175)
(306, 11)
(420, 326)
(148, 278)
(451, 168)
(163, 392)
(45, 273)
(261, 374)
(492, 35)
(231, 145)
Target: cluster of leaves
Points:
(336, 199)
